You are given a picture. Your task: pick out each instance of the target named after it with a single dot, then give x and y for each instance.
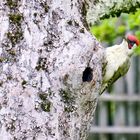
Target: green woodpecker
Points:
(117, 61)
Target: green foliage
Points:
(109, 29)
(137, 50)
(105, 31)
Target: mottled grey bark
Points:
(50, 70)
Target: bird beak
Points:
(138, 43)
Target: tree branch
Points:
(102, 9)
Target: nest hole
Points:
(87, 75)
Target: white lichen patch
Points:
(4, 24)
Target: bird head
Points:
(132, 41)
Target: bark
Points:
(51, 70)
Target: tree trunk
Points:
(51, 70)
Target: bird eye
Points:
(131, 43)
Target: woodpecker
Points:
(117, 61)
